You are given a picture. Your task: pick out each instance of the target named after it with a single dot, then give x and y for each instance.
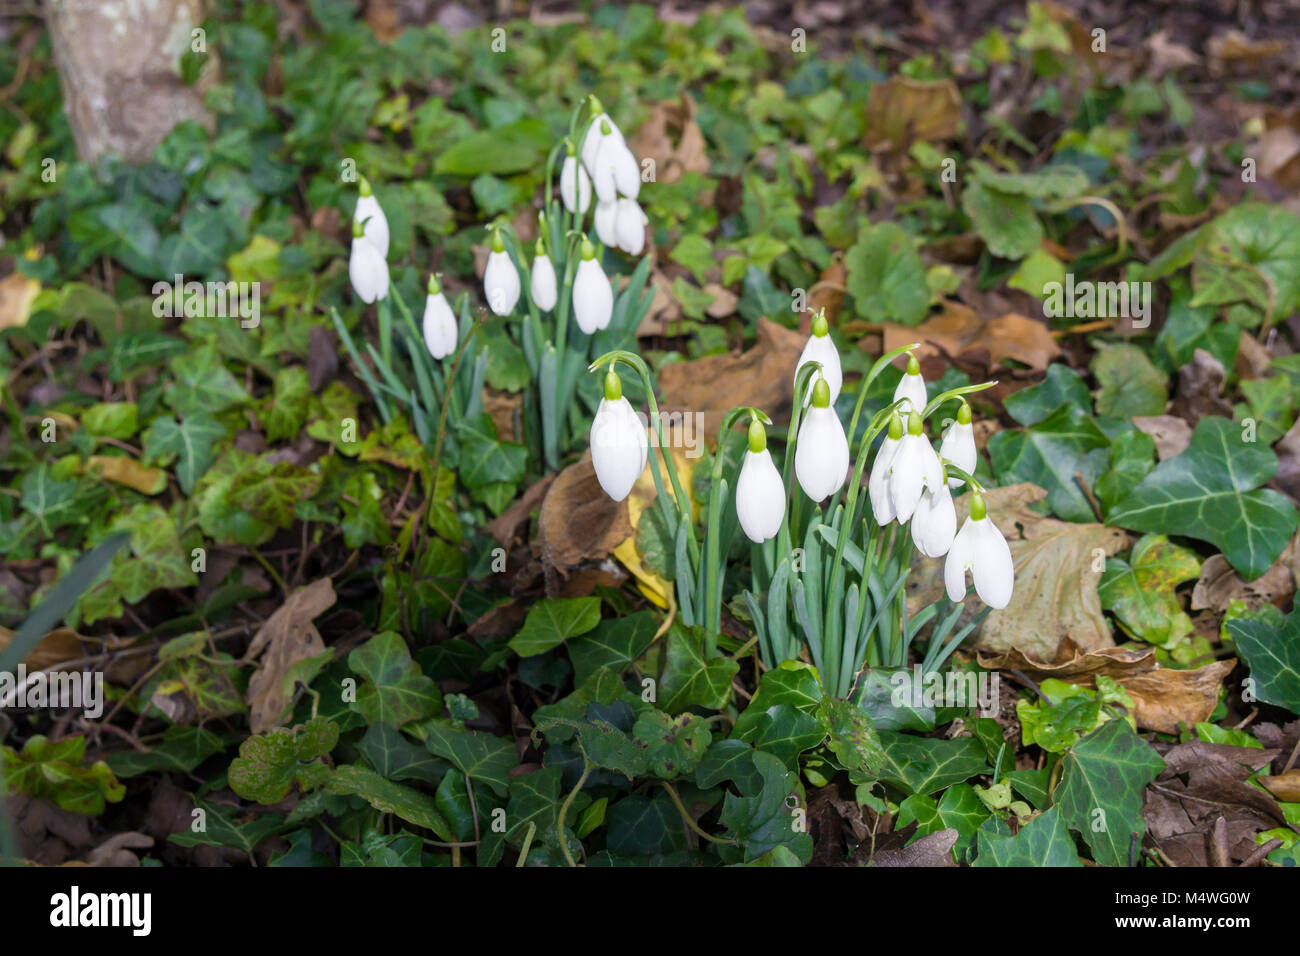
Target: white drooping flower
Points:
(911, 387)
(500, 278)
(821, 349)
(619, 447)
(629, 226)
(607, 223)
(980, 549)
(760, 492)
(593, 296)
(821, 460)
(439, 322)
(878, 483)
(542, 285)
(914, 469)
(372, 218)
(615, 171)
(934, 522)
(575, 184)
(366, 267)
(958, 445)
(600, 129)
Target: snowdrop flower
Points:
(980, 549)
(619, 447)
(821, 459)
(878, 484)
(366, 267)
(600, 129)
(934, 522)
(914, 469)
(542, 285)
(911, 387)
(629, 226)
(958, 445)
(821, 349)
(593, 296)
(760, 493)
(439, 322)
(500, 278)
(614, 171)
(372, 218)
(607, 223)
(575, 184)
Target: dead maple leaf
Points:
(287, 637)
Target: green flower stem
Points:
(386, 328)
(876, 368)
(954, 393)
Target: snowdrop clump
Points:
(609, 167)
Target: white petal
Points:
(958, 563)
(911, 387)
(542, 284)
(627, 174)
(602, 173)
(629, 226)
(908, 478)
(618, 447)
(606, 223)
(439, 326)
(575, 186)
(991, 564)
(931, 468)
(595, 139)
(760, 496)
(501, 283)
(593, 297)
(958, 447)
(935, 523)
(878, 484)
(821, 460)
(376, 223)
(820, 348)
(367, 270)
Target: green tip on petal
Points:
(914, 424)
(364, 185)
(605, 128)
(963, 414)
(821, 394)
(820, 326)
(757, 436)
(539, 249)
(568, 147)
(358, 229)
(613, 386)
(978, 510)
(895, 427)
(913, 366)
(498, 244)
(434, 287)
(593, 102)
(588, 250)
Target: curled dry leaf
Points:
(578, 520)
(654, 139)
(959, 332)
(17, 293)
(1200, 389)
(1219, 585)
(287, 637)
(1285, 787)
(903, 111)
(1073, 664)
(125, 470)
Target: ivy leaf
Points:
(396, 692)
(202, 383)
(1130, 384)
(533, 807)
(929, 764)
(553, 621)
(397, 757)
(1211, 492)
(673, 745)
(1132, 456)
(388, 797)
(288, 409)
(1005, 221)
(886, 276)
(191, 442)
(1273, 655)
(269, 763)
(180, 751)
(761, 819)
(614, 643)
(52, 770)
(1062, 385)
(222, 827)
(688, 678)
(640, 826)
(478, 755)
(1100, 794)
(960, 809)
(1140, 591)
(785, 731)
(1050, 453)
(1045, 841)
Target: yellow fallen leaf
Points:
(129, 472)
(17, 292)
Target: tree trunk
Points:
(119, 65)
